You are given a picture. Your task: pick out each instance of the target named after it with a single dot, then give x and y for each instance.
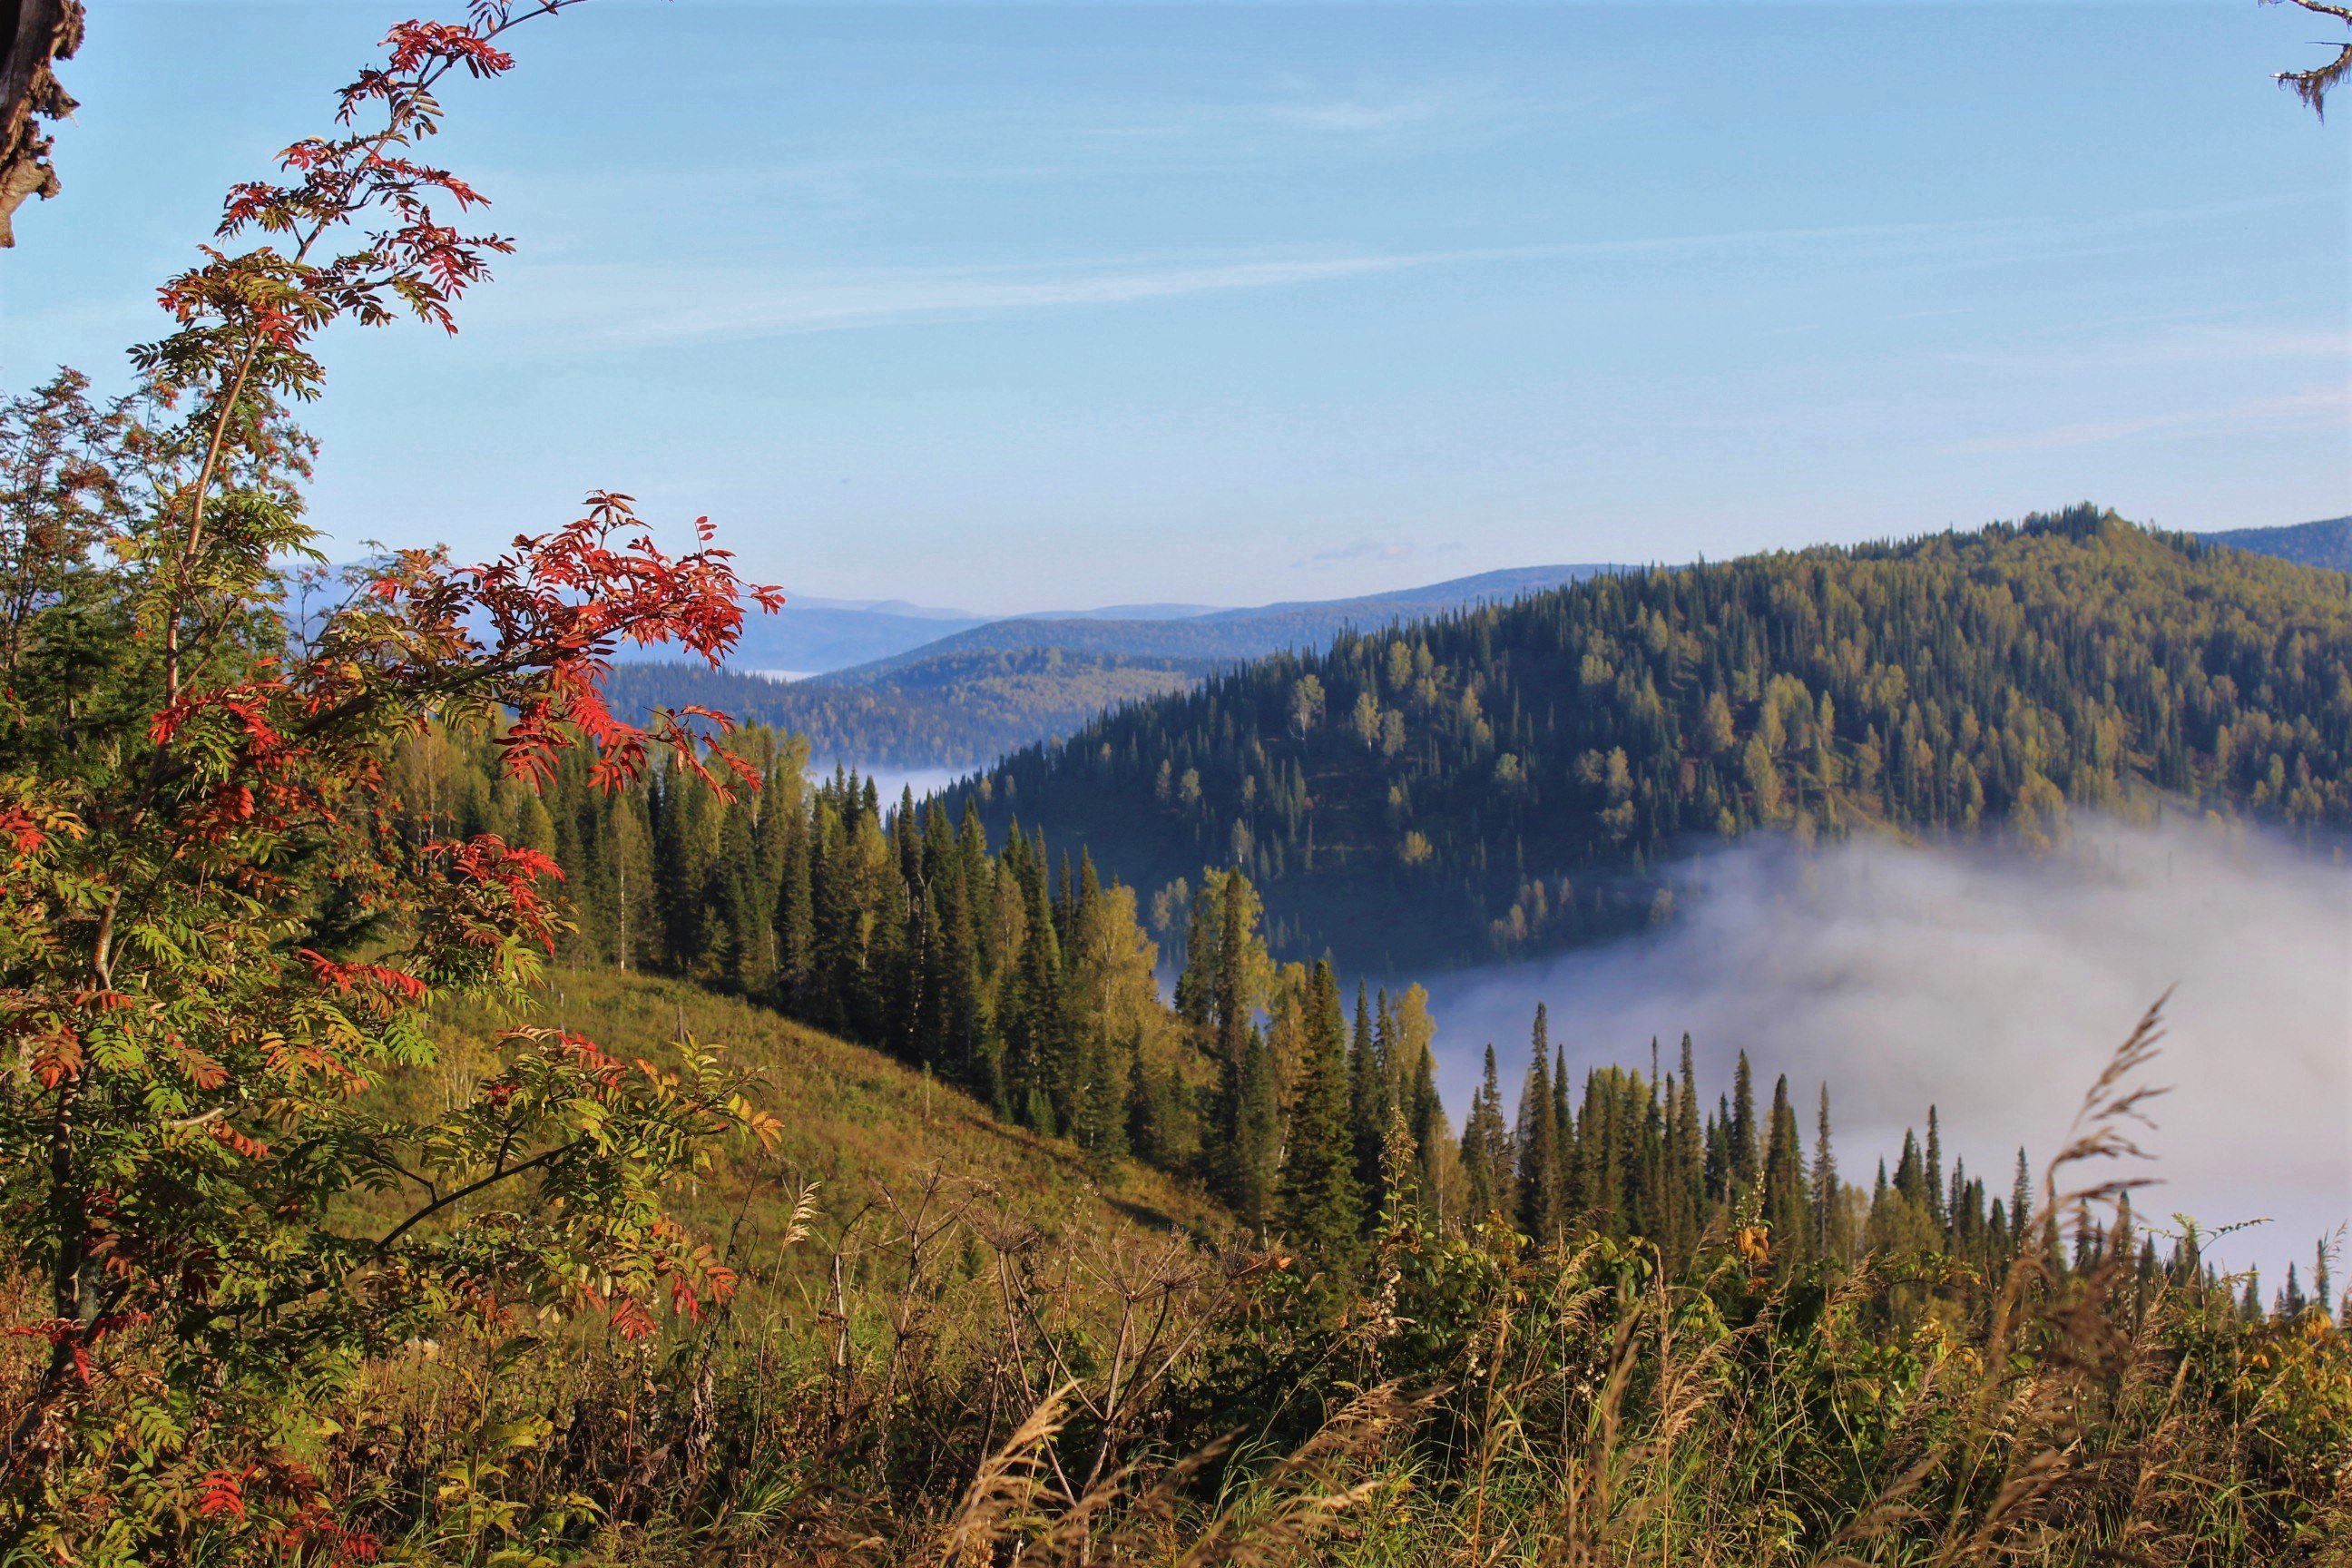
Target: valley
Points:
(1811, 1032)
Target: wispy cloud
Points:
(1360, 550)
(2316, 408)
(1306, 113)
(644, 309)
(905, 298)
(2167, 340)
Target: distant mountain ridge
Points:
(961, 698)
(1220, 635)
(2328, 542)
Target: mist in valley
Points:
(1994, 985)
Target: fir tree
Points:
(1745, 1155)
(1487, 1156)
(1536, 1144)
(1250, 1166)
(1370, 1104)
(1321, 1210)
(2021, 1201)
(1934, 1188)
(1824, 1193)
(1786, 1207)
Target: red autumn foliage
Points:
(218, 935)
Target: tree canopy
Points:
(1518, 775)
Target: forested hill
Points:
(1217, 636)
(1514, 775)
(2324, 544)
(969, 697)
(959, 709)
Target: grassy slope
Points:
(851, 1117)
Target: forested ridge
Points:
(974, 693)
(1028, 981)
(1517, 775)
(421, 1138)
(2328, 542)
(953, 710)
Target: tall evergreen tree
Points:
(1538, 1143)
(1249, 1166)
(1937, 1210)
(1565, 1199)
(1487, 1156)
(1824, 1194)
(1322, 1211)
(2021, 1201)
(1787, 1205)
(1370, 1105)
(1745, 1155)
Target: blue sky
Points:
(1005, 308)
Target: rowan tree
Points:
(215, 950)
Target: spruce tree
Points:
(1234, 993)
(1369, 1106)
(1565, 1200)
(1824, 1193)
(1536, 1144)
(1249, 1165)
(1745, 1155)
(1787, 1208)
(1321, 1210)
(1487, 1149)
(1936, 1207)
(1689, 1162)
(1402, 1034)
(2020, 1202)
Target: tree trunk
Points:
(34, 33)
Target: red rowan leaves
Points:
(347, 978)
(413, 44)
(57, 1056)
(20, 831)
(222, 1493)
(631, 1319)
(220, 1133)
(77, 1339)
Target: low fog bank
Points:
(1994, 985)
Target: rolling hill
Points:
(822, 634)
(1218, 636)
(968, 697)
(1516, 775)
(2326, 543)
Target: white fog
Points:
(1994, 985)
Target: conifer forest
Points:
(468, 1099)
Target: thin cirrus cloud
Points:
(841, 302)
(1364, 550)
(1308, 115)
(746, 306)
(2166, 340)
(2319, 407)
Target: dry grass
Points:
(1025, 1362)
